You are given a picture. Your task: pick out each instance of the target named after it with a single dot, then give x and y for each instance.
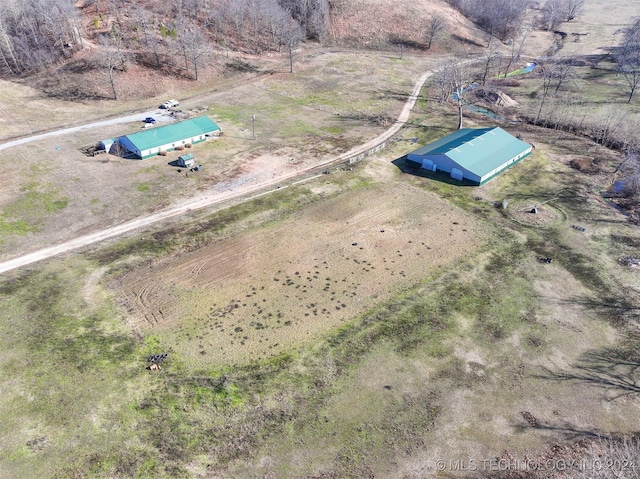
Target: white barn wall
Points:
(126, 143)
(506, 165)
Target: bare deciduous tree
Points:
(490, 57)
(452, 80)
(292, 37)
(563, 71)
(517, 43)
(7, 48)
(553, 75)
(607, 125)
(148, 32)
(36, 33)
(631, 74)
(546, 72)
(113, 59)
(497, 17)
(443, 83)
(194, 46)
(435, 26)
(629, 57)
(573, 8)
(552, 14)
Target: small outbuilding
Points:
(473, 154)
(106, 144)
(148, 143)
(186, 161)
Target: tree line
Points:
(499, 18)
(35, 34)
(503, 18)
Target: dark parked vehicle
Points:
(149, 119)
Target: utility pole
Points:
(253, 125)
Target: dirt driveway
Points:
(253, 179)
(161, 116)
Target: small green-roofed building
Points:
(473, 154)
(151, 142)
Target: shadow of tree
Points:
(616, 309)
(406, 43)
(466, 41)
(567, 430)
(614, 369)
(393, 94)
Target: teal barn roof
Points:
(174, 132)
(478, 150)
(473, 154)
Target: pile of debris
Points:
(155, 361)
(630, 261)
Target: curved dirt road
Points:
(198, 202)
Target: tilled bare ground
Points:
(264, 291)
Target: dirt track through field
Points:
(208, 199)
(264, 291)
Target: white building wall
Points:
(165, 147)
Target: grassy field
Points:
(438, 365)
(290, 125)
(258, 294)
(368, 322)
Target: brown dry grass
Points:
(487, 391)
(601, 21)
(265, 291)
(308, 117)
(375, 23)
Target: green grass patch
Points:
(74, 364)
(36, 202)
(234, 115)
(14, 227)
(22, 215)
(333, 130)
(142, 187)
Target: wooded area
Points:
(37, 33)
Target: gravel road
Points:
(160, 116)
(202, 201)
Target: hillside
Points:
(128, 51)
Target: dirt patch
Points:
(262, 292)
(534, 214)
(586, 165)
(493, 98)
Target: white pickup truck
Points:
(170, 104)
